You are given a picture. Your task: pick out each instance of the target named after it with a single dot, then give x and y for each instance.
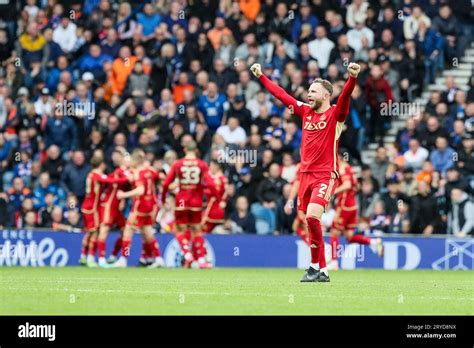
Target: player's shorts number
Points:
(191, 175)
(322, 190)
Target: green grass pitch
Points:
(133, 291)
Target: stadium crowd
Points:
(81, 75)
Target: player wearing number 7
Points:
(322, 127)
(193, 176)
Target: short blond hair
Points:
(326, 84)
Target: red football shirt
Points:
(193, 176)
(95, 188)
(347, 200)
(321, 131)
(110, 195)
(146, 177)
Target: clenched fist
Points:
(353, 69)
(256, 70)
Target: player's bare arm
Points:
(137, 191)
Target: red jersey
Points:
(321, 131)
(95, 188)
(146, 202)
(109, 197)
(347, 200)
(193, 175)
(220, 182)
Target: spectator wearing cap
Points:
(425, 214)
(65, 35)
(320, 48)
(415, 155)
(461, 218)
(44, 104)
(443, 156)
(238, 109)
(412, 23)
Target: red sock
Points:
(101, 247)
(117, 246)
(85, 244)
(199, 249)
(358, 238)
(126, 248)
(183, 241)
(145, 251)
(316, 240)
(154, 248)
(92, 247)
(334, 246)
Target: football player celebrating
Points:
(322, 127)
(193, 175)
(345, 220)
(90, 206)
(144, 209)
(215, 210)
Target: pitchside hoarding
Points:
(37, 249)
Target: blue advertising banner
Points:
(35, 248)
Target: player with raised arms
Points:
(322, 128)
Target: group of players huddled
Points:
(136, 179)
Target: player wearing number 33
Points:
(322, 125)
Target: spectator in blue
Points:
(148, 20)
(93, 61)
(18, 193)
(89, 6)
(242, 216)
(43, 187)
(75, 174)
(212, 106)
(23, 168)
(305, 16)
(443, 156)
(54, 74)
(292, 136)
(60, 130)
(110, 46)
(432, 44)
(54, 49)
(175, 17)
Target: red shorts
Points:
(111, 217)
(315, 188)
(345, 220)
(187, 216)
(214, 213)
(91, 221)
(138, 219)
